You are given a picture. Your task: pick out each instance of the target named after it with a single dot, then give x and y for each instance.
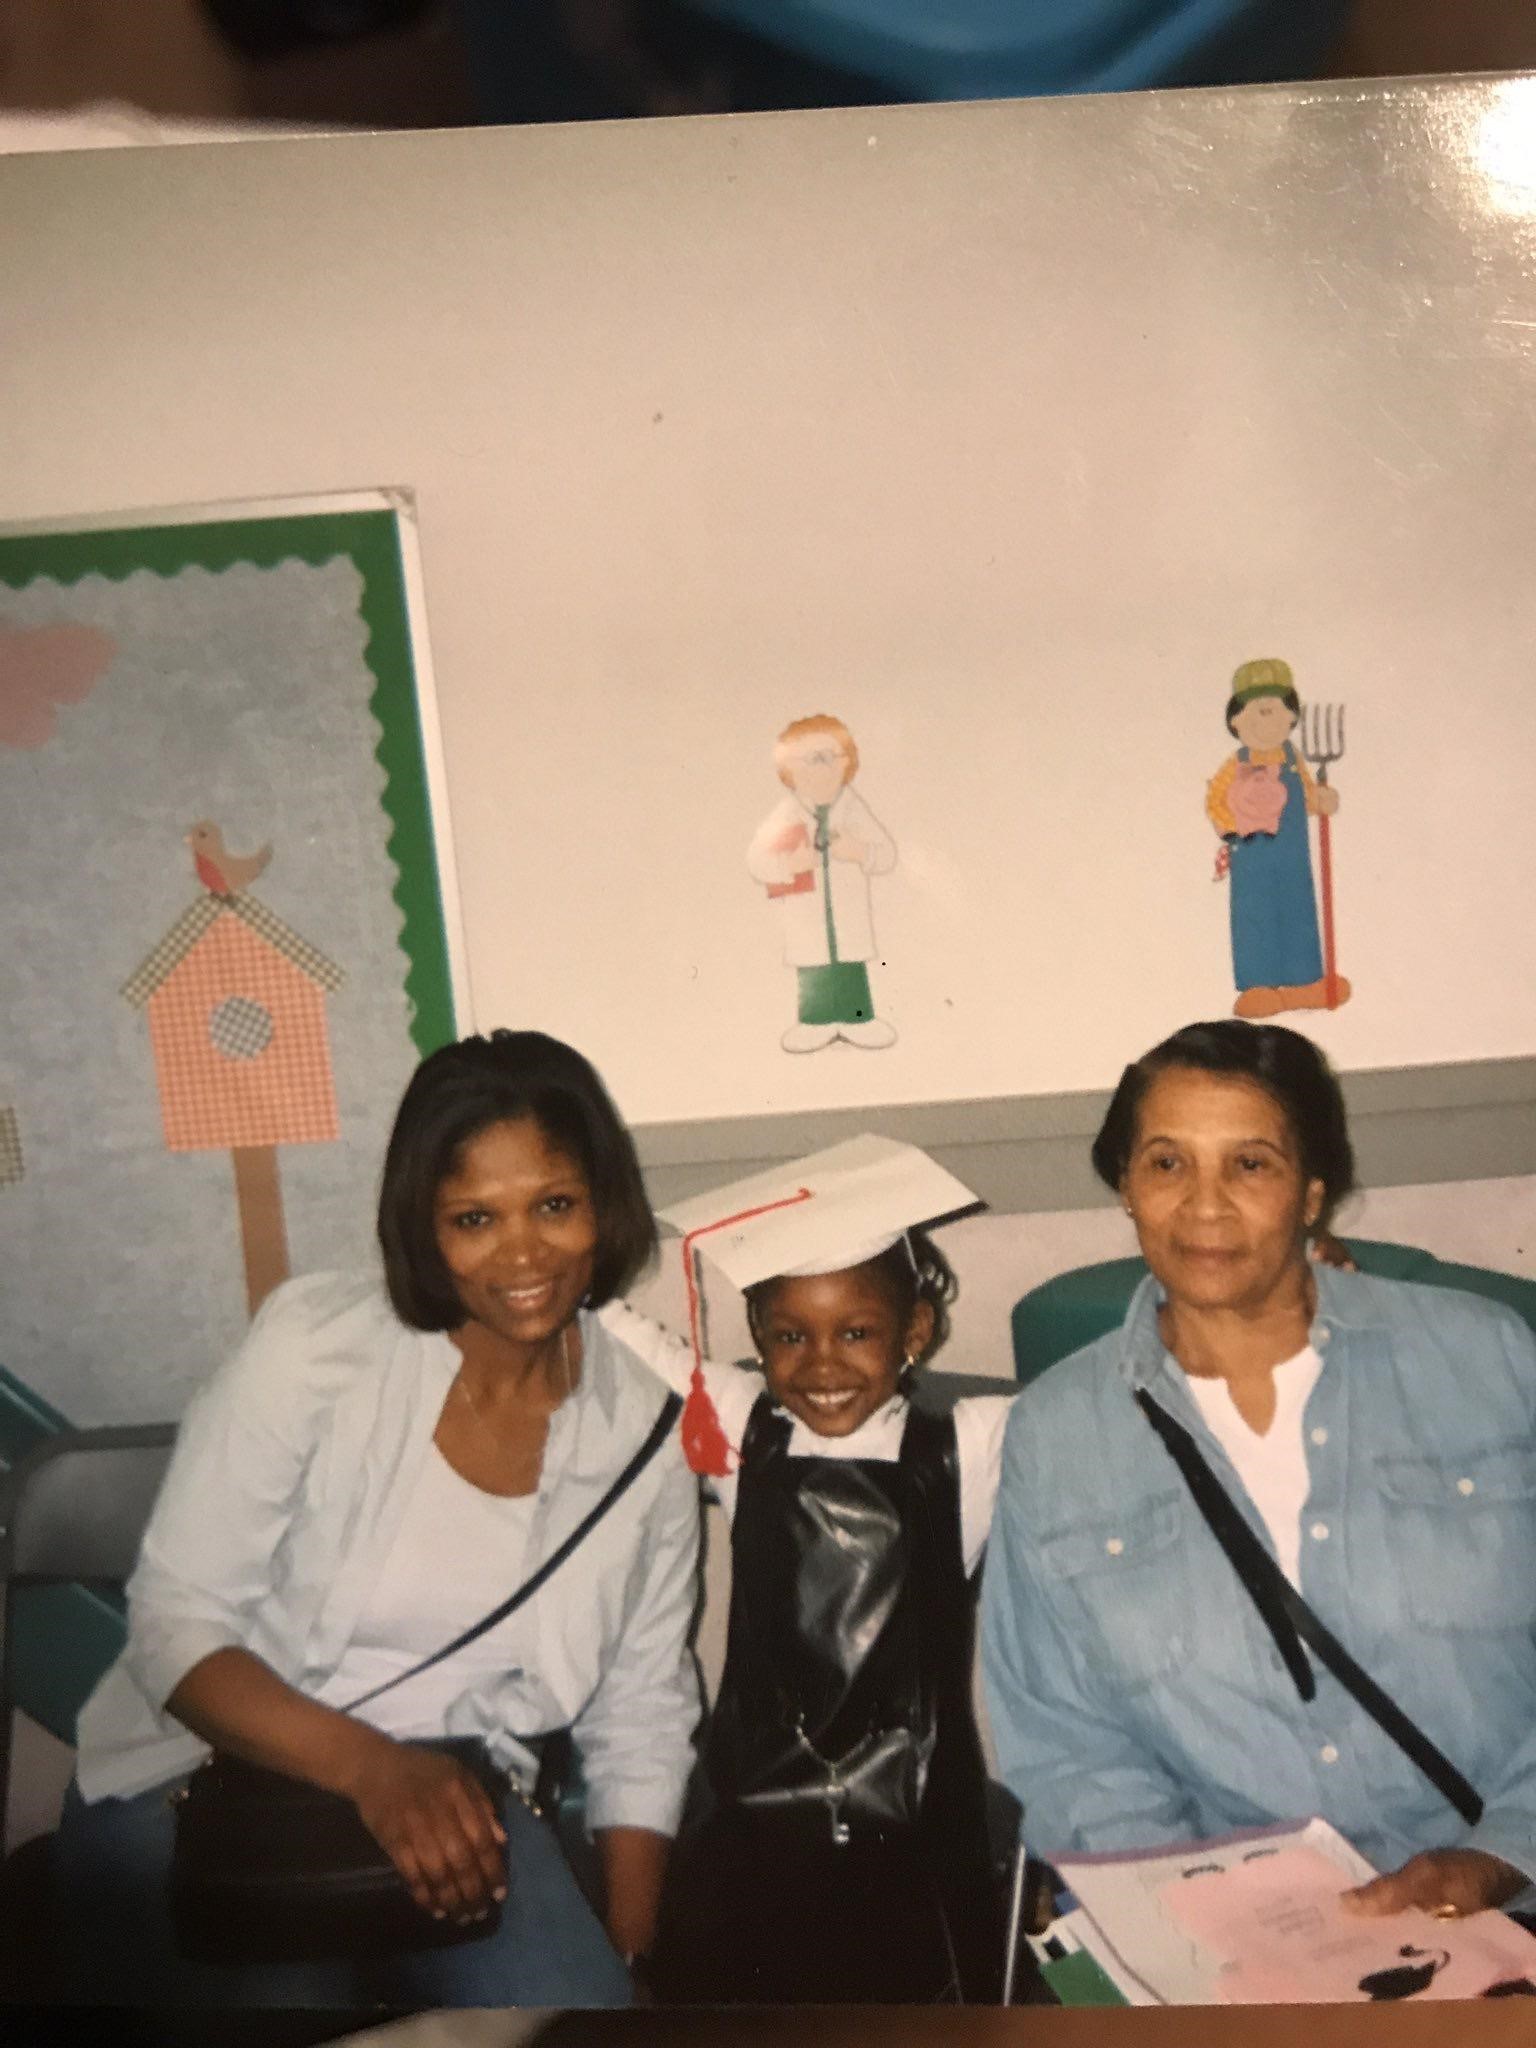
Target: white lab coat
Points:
(805, 913)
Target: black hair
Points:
(1290, 1069)
(923, 1274)
(1287, 697)
(460, 1091)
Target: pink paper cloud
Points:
(42, 667)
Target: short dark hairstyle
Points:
(1288, 698)
(923, 1275)
(460, 1091)
(1288, 1067)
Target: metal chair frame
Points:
(72, 1510)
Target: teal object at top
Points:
(996, 49)
(1061, 1316)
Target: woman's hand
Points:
(1445, 1882)
(437, 1825)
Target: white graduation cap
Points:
(819, 1214)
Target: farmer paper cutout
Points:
(1260, 801)
(815, 853)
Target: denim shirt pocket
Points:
(1121, 1578)
(1461, 1530)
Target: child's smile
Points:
(833, 1346)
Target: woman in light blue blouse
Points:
(1378, 1439)
(381, 1463)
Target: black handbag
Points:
(270, 1868)
(1292, 1623)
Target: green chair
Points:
(1062, 1315)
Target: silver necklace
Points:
(475, 1409)
(835, 1792)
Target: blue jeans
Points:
(111, 1865)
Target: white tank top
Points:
(458, 1552)
(1273, 1467)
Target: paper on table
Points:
(1283, 1936)
(1154, 1959)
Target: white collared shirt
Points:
(979, 1423)
(1271, 1465)
(292, 1474)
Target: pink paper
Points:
(1277, 1922)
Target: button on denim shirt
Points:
(1136, 1697)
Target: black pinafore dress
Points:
(843, 1854)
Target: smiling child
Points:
(843, 1854)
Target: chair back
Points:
(1072, 1310)
(73, 1509)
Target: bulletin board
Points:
(223, 926)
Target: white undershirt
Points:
(458, 1552)
(1272, 1466)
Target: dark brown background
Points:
(159, 54)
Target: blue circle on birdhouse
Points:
(240, 1028)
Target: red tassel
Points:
(704, 1441)
(705, 1444)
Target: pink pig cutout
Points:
(1257, 797)
(42, 667)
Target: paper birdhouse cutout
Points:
(236, 1006)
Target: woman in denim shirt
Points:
(1379, 1438)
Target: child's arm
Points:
(730, 1389)
(979, 1424)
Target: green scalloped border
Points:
(371, 539)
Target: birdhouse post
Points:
(11, 1164)
(237, 1023)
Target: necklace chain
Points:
(475, 1408)
(836, 1793)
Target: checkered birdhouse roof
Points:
(199, 917)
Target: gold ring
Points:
(1445, 1911)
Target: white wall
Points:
(1004, 431)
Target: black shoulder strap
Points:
(1291, 1621)
(660, 1430)
(930, 1453)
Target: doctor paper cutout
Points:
(1260, 802)
(815, 853)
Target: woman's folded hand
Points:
(437, 1824)
(1446, 1882)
